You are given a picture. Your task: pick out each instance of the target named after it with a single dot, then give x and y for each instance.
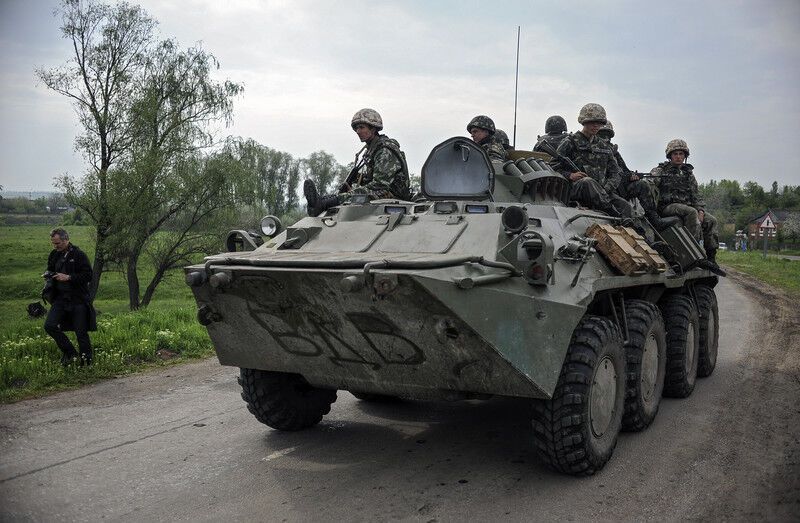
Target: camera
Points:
(48, 275)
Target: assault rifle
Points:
(549, 149)
(353, 174)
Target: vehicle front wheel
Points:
(284, 401)
(575, 431)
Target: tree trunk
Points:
(97, 270)
(151, 287)
(133, 281)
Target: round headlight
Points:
(270, 226)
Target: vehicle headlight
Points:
(271, 226)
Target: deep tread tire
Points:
(708, 311)
(683, 344)
(375, 398)
(646, 358)
(284, 401)
(563, 427)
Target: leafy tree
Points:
(324, 170)
(146, 108)
(176, 104)
(109, 45)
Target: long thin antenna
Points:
(516, 87)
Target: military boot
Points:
(711, 263)
(316, 204)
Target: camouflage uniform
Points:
(628, 189)
(678, 195)
(595, 158)
(553, 140)
(382, 171)
(494, 149)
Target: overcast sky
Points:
(725, 76)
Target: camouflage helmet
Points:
(555, 125)
(501, 136)
(677, 145)
(482, 122)
(607, 130)
(369, 117)
(592, 113)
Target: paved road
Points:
(179, 444)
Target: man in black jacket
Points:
(72, 309)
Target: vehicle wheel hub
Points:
(649, 366)
(603, 396)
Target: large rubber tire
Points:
(575, 432)
(683, 344)
(375, 398)
(708, 311)
(284, 401)
(646, 358)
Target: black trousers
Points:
(77, 314)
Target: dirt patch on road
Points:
(759, 432)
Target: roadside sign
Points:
(767, 223)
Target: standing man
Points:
(631, 186)
(381, 172)
(72, 308)
(482, 130)
(679, 196)
(588, 162)
(555, 129)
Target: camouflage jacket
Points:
(593, 156)
(553, 139)
(382, 170)
(494, 149)
(625, 177)
(618, 157)
(676, 184)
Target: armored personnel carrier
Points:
(487, 284)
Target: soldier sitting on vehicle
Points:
(555, 129)
(482, 130)
(381, 172)
(501, 136)
(631, 186)
(679, 196)
(588, 162)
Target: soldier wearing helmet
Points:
(380, 172)
(501, 136)
(482, 130)
(555, 129)
(631, 186)
(595, 181)
(679, 196)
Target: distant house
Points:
(767, 224)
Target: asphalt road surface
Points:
(179, 444)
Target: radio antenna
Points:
(516, 90)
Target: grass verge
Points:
(775, 271)
(163, 334)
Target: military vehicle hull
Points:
(490, 286)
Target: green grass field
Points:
(164, 333)
(775, 271)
